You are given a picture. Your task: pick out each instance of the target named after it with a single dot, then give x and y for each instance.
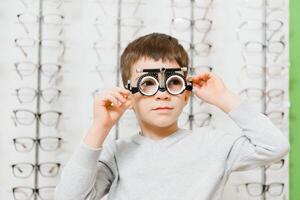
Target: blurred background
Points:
(56, 54)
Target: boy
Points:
(163, 161)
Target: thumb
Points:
(127, 104)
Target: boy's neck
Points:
(158, 133)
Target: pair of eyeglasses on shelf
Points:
(275, 96)
(134, 25)
(25, 170)
(273, 71)
(202, 25)
(27, 68)
(199, 4)
(24, 43)
(26, 193)
(49, 19)
(201, 49)
(273, 27)
(200, 119)
(28, 95)
(48, 143)
(272, 47)
(255, 189)
(27, 117)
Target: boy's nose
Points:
(162, 94)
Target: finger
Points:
(127, 104)
(198, 82)
(203, 75)
(197, 78)
(108, 100)
(201, 79)
(122, 90)
(117, 95)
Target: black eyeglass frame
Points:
(166, 74)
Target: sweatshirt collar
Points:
(177, 135)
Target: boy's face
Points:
(161, 109)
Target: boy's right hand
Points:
(109, 106)
(107, 111)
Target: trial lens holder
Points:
(162, 82)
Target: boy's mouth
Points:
(163, 108)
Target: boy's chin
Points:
(162, 123)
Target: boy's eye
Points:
(175, 82)
(148, 83)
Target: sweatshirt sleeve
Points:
(260, 143)
(87, 175)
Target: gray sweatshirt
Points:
(187, 165)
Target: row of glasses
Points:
(105, 44)
(30, 45)
(113, 32)
(263, 44)
(198, 26)
(272, 70)
(274, 43)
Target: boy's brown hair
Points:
(156, 46)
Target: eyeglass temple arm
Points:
(133, 90)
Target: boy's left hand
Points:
(211, 89)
